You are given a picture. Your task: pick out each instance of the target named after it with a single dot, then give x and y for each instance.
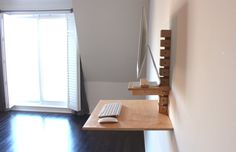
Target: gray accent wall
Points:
(108, 33)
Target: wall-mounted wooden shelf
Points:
(164, 73)
(151, 90)
(136, 115)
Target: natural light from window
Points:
(36, 57)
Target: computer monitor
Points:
(144, 47)
(143, 42)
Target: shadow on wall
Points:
(178, 23)
(179, 49)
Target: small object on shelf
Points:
(136, 85)
(144, 83)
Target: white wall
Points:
(202, 100)
(108, 39)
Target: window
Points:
(40, 59)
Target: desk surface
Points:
(135, 115)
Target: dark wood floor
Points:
(43, 132)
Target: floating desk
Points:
(136, 115)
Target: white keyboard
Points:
(110, 110)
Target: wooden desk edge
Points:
(126, 129)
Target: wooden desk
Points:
(136, 115)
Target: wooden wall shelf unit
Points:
(164, 71)
(136, 115)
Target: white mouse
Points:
(107, 120)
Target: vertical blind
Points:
(73, 65)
